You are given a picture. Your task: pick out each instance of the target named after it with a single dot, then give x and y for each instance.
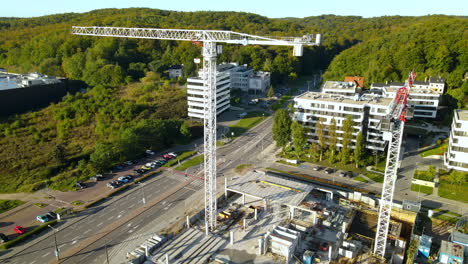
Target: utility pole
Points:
(56, 251)
(107, 253)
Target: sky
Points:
(269, 8)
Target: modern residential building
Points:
(248, 81)
(196, 90)
(451, 253)
(424, 248)
(175, 71)
(366, 111)
(356, 79)
(340, 88)
(457, 155)
(424, 96)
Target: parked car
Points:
(118, 167)
(128, 163)
(146, 168)
(149, 152)
(128, 177)
(123, 179)
(329, 171)
(349, 174)
(317, 168)
(242, 115)
(324, 246)
(42, 218)
(51, 215)
(19, 230)
(139, 171)
(162, 162)
(168, 157)
(173, 154)
(80, 185)
(114, 184)
(3, 238)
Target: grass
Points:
(361, 179)
(375, 177)
(240, 168)
(422, 188)
(190, 163)
(220, 143)
(182, 156)
(423, 175)
(6, 205)
(250, 120)
(77, 202)
(454, 191)
(280, 103)
(380, 166)
(439, 149)
(40, 205)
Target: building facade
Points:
(175, 71)
(457, 155)
(424, 96)
(366, 112)
(196, 90)
(340, 88)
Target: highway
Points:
(91, 222)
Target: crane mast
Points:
(393, 125)
(209, 38)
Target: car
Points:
(114, 184)
(128, 163)
(342, 173)
(329, 171)
(139, 171)
(19, 230)
(42, 218)
(168, 157)
(349, 174)
(148, 164)
(149, 152)
(80, 185)
(242, 115)
(128, 177)
(317, 168)
(51, 215)
(162, 161)
(173, 154)
(3, 238)
(123, 179)
(146, 168)
(118, 167)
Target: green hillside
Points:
(131, 106)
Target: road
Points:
(92, 221)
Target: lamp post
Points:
(56, 252)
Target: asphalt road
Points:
(243, 149)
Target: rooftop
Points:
(351, 86)
(462, 114)
(14, 80)
(365, 99)
(271, 187)
(451, 249)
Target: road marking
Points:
(130, 231)
(119, 216)
(87, 231)
(99, 224)
(46, 254)
(33, 262)
(121, 212)
(129, 224)
(74, 242)
(110, 218)
(75, 238)
(61, 246)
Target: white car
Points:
(149, 164)
(172, 154)
(150, 152)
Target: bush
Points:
(6, 205)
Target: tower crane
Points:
(209, 38)
(392, 125)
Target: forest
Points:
(130, 105)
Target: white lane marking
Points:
(110, 218)
(75, 238)
(129, 224)
(33, 262)
(121, 212)
(61, 246)
(46, 254)
(119, 216)
(87, 231)
(74, 242)
(163, 203)
(130, 231)
(99, 224)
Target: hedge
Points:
(27, 235)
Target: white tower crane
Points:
(209, 39)
(392, 125)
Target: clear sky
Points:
(269, 8)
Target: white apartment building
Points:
(424, 96)
(340, 88)
(366, 112)
(457, 155)
(196, 90)
(248, 81)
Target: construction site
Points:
(264, 217)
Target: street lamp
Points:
(56, 252)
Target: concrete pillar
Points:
(256, 216)
(291, 211)
(231, 235)
(260, 246)
(225, 187)
(243, 199)
(188, 221)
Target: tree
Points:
(298, 137)
(319, 130)
(347, 135)
(359, 150)
(458, 177)
(333, 139)
(58, 153)
(105, 154)
(185, 130)
(271, 92)
(281, 127)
